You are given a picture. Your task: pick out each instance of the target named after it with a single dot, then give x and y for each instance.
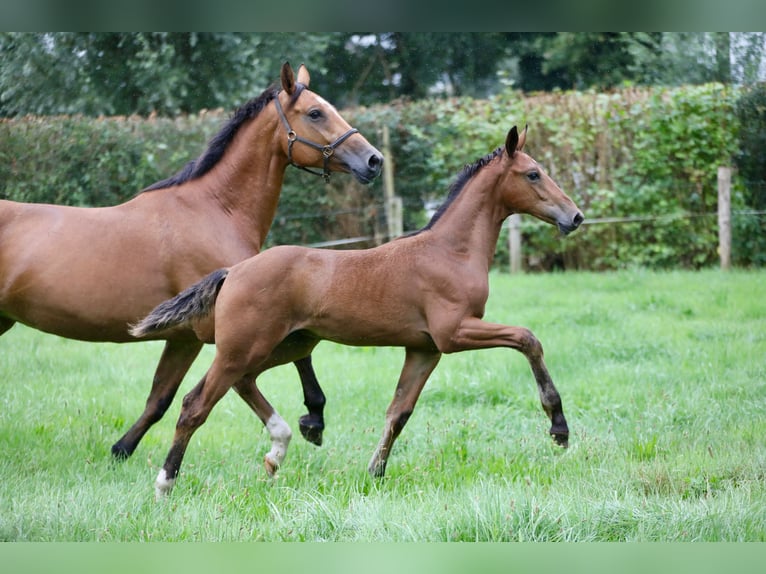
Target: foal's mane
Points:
(219, 143)
(457, 186)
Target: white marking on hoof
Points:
(270, 466)
(280, 434)
(163, 485)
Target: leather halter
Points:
(327, 150)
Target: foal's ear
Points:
(511, 141)
(514, 141)
(303, 76)
(288, 78)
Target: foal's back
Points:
(357, 297)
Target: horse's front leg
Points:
(473, 333)
(312, 423)
(418, 366)
(176, 359)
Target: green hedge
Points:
(651, 153)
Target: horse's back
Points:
(67, 270)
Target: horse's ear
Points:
(511, 141)
(522, 139)
(303, 76)
(288, 78)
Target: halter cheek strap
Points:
(327, 150)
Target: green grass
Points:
(663, 378)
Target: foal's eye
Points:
(533, 176)
(315, 114)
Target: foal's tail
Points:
(194, 302)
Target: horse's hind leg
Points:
(173, 366)
(311, 424)
(6, 324)
(418, 366)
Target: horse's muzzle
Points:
(567, 228)
(370, 171)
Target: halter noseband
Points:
(327, 150)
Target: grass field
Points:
(662, 375)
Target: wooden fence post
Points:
(514, 242)
(392, 203)
(724, 216)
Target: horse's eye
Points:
(533, 176)
(315, 114)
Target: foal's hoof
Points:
(270, 466)
(311, 429)
(561, 437)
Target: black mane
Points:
(457, 186)
(218, 144)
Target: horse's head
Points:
(528, 189)
(317, 136)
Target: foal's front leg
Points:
(473, 333)
(418, 366)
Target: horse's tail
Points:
(193, 302)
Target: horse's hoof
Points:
(561, 438)
(270, 466)
(163, 485)
(377, 469)
(119, 452)
(311, 429)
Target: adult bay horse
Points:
(425, 292)
(86, 273)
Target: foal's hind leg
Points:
(311, 424)
(196, 407)
(418, 366)
(173, 366)
(279, 431)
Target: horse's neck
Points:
(471, 224)
(247, 182)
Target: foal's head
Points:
(526, 188)
(321, 137)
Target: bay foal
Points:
(425, 292)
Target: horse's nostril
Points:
(375, 161)
(578, 219)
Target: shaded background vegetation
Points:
(632, 125)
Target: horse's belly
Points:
(74, 305)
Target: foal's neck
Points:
(471, 224)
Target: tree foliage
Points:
(171, 73)
(140, 73)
